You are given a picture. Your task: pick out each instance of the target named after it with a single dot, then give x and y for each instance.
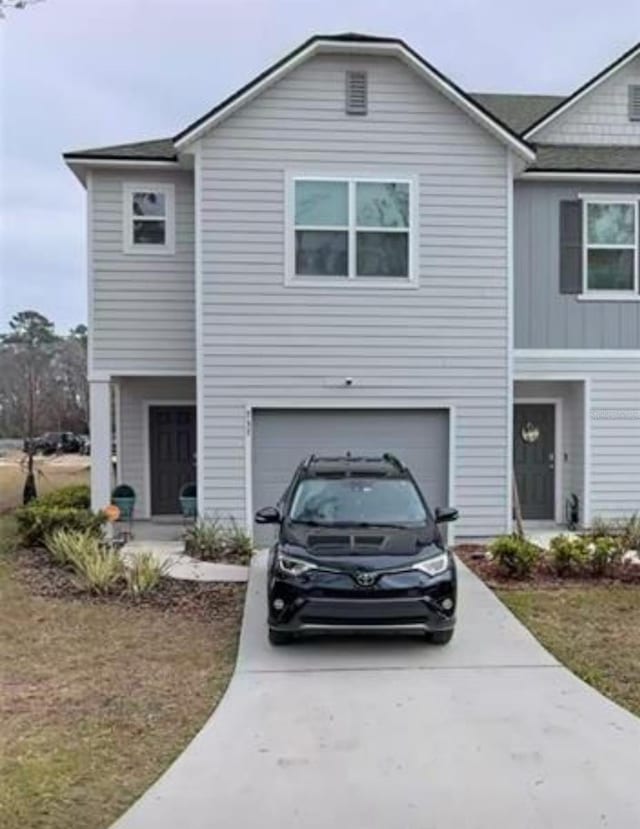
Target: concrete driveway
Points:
(394, 734)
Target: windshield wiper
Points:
(364, 524)
(307, 523)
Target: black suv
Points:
(358, 549)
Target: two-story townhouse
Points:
(352, 253)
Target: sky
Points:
(86, 73)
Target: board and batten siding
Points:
(601, 116)
(543, 317)
(134, 434)
(143, 305)
(445, 342)
(614, 423)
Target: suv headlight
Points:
(291, 566)
(433, 566)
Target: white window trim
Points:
(593, 294)
(351, 281)
(168, 191)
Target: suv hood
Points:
(359, 543)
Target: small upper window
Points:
(351, 229)
(149, 218)
(611, 246)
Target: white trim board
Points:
(337, 404)
(573, 175)
(199, 327)
(107, 374)
(586, 354)
(329, 46)
(146, 449)
(510, 341)
(558, 449)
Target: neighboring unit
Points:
(353, 254)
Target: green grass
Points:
(593, 630)
(8, 534)
(96, 699)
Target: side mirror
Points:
(446, 514)
(268, 515)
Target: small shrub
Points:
(68, 547)
(237, 544)
(514, 557)
(603, 528)
(37, 522)
(210, 540)
(603, 554)
(99, 570)
(630, 533)
(143, 573)
(204, 539)
(569, 556)
(74, 496)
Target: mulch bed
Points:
(473, 555)
(200, 600)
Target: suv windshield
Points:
(359, 500)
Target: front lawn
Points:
(592, 629)
(98, 696)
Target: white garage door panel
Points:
(284, 437)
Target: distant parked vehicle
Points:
(51, 443)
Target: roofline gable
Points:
(583, 90)
(352, 44)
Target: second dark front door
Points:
(172, 446)
(534, 459)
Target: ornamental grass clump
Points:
(143, 573)
(514, 557)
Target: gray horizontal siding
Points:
(545, 318)
(601, 117)
(134, 391)
(143, 306)
(614, 425)
(445, 342)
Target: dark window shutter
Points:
(571, 247)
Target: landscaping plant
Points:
(99, 569)
(74, 496)
(604, 553)
(68, 547)
(514, 557)
(143, 573)
(38, 521)
(211, 540)
(237, 544)
(569, 556)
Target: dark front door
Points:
(172, 446)
(534, 459)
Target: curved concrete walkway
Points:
(395, 734)
(183, 567)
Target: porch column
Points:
(100, 428)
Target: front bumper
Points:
(324, 602)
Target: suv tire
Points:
(440, 637)
(279, 637)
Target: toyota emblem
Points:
(365, 579)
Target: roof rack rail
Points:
(395, 461)
(309, 460)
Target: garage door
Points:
(283, 437)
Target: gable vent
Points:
(356, 93)
(634, 102)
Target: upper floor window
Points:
(149, 218)
(611, 246)
(350, 230)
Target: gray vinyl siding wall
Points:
(601, 117)
(143, 305)
(443, 343)
(545, 318)
(134, 391)
(614, 424)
